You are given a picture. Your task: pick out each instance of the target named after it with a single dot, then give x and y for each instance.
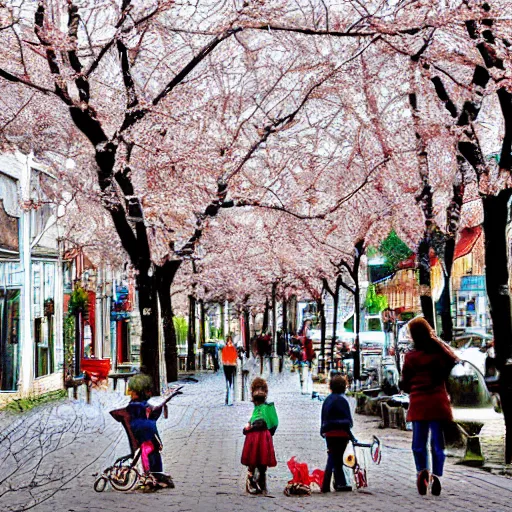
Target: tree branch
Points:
(6, 75)
(136, 115)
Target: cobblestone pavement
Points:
(202, 446)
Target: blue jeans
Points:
(420, 430)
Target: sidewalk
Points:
(202, 445)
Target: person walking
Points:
(425, 372)
(229, 358)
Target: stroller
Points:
(358, 458)
(124, 474)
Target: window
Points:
(44, 340)
(374, 324)
(44, 323)
(36, 288)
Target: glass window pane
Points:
(49, 281)
(36, 283)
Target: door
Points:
(9, 339)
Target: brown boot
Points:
(251, 485)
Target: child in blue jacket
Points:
(336, 425)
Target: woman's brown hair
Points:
(424, 337)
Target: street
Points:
(202, 445)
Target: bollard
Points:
(473, 455)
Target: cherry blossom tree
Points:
(120, 75)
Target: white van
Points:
(372, 338)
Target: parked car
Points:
(474, 348)
(372, 338)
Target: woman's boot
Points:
(262, 481)
(251, 485)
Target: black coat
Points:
(336, 414)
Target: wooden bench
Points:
(121, 375)
(76, 382)
(182, 362)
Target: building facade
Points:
(31, 301)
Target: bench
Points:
(182, 362)
(76, 382)
(121, 375)
(392, 417)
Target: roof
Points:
(467, 240)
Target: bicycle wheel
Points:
(100, 484)
(123, 478)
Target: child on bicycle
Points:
(336, 425)
(143, 418)
(258, 453)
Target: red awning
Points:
(410, 262)
(467, 240)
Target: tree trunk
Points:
(445, 301)
(148, 306)
(252, 324)
(247, 331)
(285, 321)
(323, 329)
(359, 251)
(191, 334)
(222, 334)
(202, 322)
(496, 214)
(274, 320)
(164, 277)
(336, 300)
(293, 315)
(427, 305)
(264, 327)
(283, 347)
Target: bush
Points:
(29, 402)
(78, 300)
(181, 327)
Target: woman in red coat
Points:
(424, 375)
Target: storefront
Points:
(470, 307)
(10, 285)
(30, 282)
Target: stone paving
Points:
(202, 446)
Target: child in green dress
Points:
(258, 453)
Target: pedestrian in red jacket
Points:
(425, 372)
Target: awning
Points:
(467, 240)
(410, 262)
